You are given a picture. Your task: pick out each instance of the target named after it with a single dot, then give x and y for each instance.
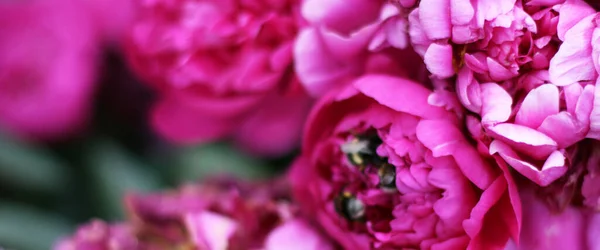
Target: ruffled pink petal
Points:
(496, 104)
(554, 167)
(539, 103)
(572, 62)
(210, 230)
(564, 129)
(498, 72)
(385, 89)
(461, 11)
(595, 114)
(184, 124)
(435, 18)
(341, 15)
(438, 59)
(468, 90)
(490, 9)
(524, 139)
(296, 235)
(272, 130)
(570, 13)
(544, 229)
(317, 64)
(439, 136)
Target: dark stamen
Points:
(348, 206)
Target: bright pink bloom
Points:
(224, 68)
(500, 53)
(348, 39)
(48, 59)
(98, 235)
(381, 168)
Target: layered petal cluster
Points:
(381, 168)
(48, 52)
(500, 56)
(347, 39)
(223, 68)
(217, 215)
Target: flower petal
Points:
(554, 167)
(438, 59)
(496, 104)
(524, 139)
(539, 103)
(435, 18)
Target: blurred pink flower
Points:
(500, 54)
(112, 17)
(223, 215)
(223, 68)
(383, 169)
(544, 229)
(347, 39)
(48, 52)
(98, 235)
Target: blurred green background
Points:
(46, 190)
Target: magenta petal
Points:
(296, 235)
(595, 114)
(185, 124)
(496, 104)
(554, 167)
(435, 18)
(573, 61)
(468, 90)
(564, 129)
(384, 89)
(524, 139)
(440, 136)
(461, 11)
(438, 59)
(210, 230)
(498, 72)
(539, 103)
(342, 16)
(544, 229)
(571, 12)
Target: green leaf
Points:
(193, 163)
(26, 228)
(25, 166)
(116, 172)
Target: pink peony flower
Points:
(223, 68)
(383, 169)
(97, 235)
(48, 59)
(222, 215)
(501, 53)
(347, 39)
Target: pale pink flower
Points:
(98, 235)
